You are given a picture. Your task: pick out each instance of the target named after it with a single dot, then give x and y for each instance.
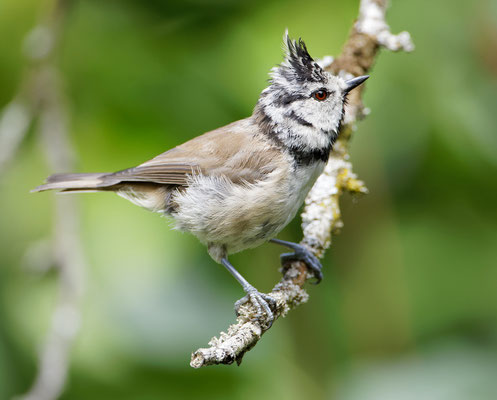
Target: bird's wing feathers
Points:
(230, 151)
(169, 174)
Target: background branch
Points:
(40, 99)
(321, 217)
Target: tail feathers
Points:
(77, 182)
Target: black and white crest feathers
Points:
(298, 66)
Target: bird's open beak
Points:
(354, 82)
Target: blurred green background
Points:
(408, 306)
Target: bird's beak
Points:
(354, 82)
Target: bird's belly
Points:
(240, 216)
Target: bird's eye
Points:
(320, 95)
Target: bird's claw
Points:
(304, 255)
(263, 304)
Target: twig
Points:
(40, 99)
(14, 124)
(67, 250)
(321, 217)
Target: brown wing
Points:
(168, 174)
(234, 151)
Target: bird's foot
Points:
(301, 253)
(262, 303)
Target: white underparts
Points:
(233, 217)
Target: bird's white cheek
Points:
(329, 117)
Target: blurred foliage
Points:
(408, 306)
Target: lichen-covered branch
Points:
(321, 217)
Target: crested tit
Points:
(238, 186)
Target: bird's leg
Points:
(261, 301)
(301, 253)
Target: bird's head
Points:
(302, 95)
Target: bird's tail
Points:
(78, 182)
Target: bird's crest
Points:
(298, 65)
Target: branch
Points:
(39, 99)
(321, 217)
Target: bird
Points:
(238, 186)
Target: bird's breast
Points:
(243, 215)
